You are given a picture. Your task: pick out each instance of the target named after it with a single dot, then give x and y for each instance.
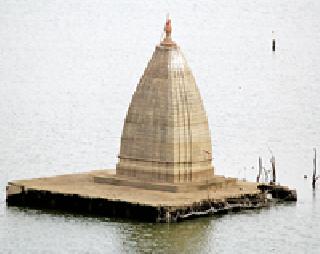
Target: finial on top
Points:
(167, 41)
(168, 28)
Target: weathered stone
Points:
(166, 137)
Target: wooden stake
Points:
(314, 176)
(273, 164)
(273, 42)
(260, 170)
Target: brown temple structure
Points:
(166, 136)
(165, 171)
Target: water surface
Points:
(67, 73)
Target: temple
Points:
(164, 172)
(166, 137)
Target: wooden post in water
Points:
(273, 42)
(314, 175)
(260, 170)
(273, 164)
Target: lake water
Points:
(67, 73)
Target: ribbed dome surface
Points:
(165, 136)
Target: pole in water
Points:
(260, 170)
(273, 164)
(314, 176)
(273, 42)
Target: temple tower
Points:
(166, 137)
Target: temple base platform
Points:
(103, 193)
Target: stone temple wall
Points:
(165, 136)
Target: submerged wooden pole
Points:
(273, 164)
(260, 170)
(273, 42)
(314, 176)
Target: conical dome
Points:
(165, 136)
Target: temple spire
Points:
(166, 137)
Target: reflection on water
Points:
(118, 235)
(185, 237)
(204, 235)
(67, 73)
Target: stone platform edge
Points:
(212, 182)
(19, 193)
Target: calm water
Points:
(67, 73)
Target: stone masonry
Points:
(166, 137)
